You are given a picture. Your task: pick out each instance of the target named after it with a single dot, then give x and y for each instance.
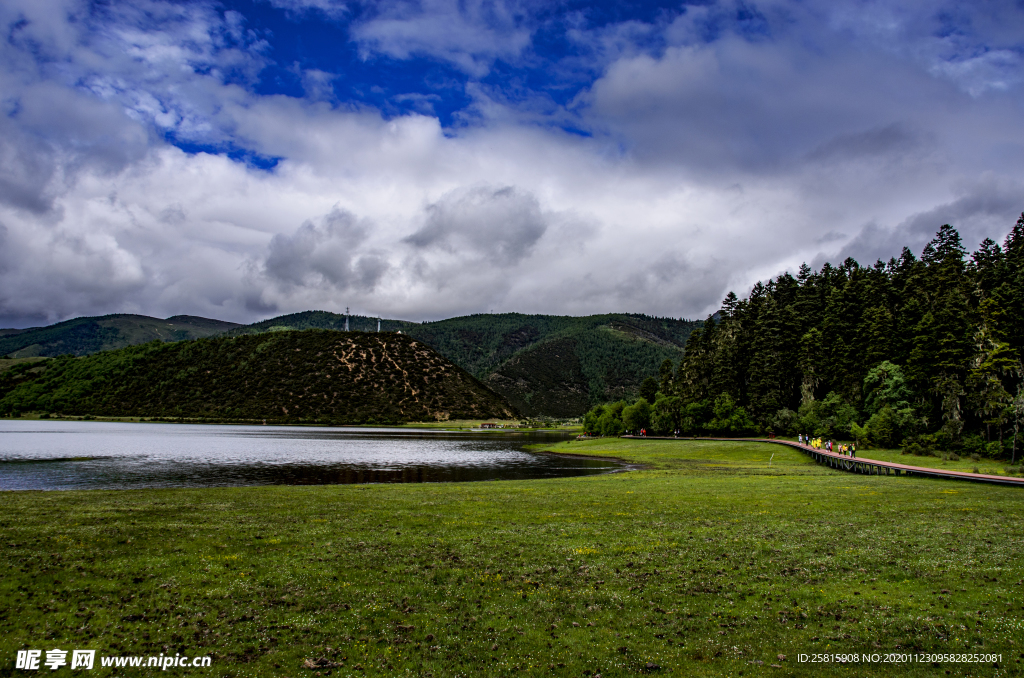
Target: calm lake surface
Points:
(64, 455)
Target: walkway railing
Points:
(843, 462)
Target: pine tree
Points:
(1012, 289)
(767, 369)
(665, 376)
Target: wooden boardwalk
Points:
(868, 466)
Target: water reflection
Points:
(51, 455)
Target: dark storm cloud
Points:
(26, 167)
(735, 105)
(822, 82)
(500, 225)
(5, 252)
(987, 211)
(50, 135)
(325, 253)
(693, 285)
(892, 139)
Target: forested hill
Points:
(924, 352)
(82, 336)
(483, 342)
(559, 365)
(312, 376)
(543, 364)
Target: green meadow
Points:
(707, 561)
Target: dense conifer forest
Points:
(923, 353)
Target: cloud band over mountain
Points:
(421, 160)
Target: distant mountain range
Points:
(542, 364)
(304, 377)
(82, 336)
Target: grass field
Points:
(708, 562)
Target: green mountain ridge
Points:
(310, 376)
(84, 336)
(543, 364)
(320, 320)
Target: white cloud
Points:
(325, 253)
(469, 34)
(333, 9)
(714, 162)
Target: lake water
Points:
(66, 455)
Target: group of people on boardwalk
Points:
(827, 445)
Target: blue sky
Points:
(427, 159)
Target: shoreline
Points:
(389, 465)
(625, 465)
(457, 425)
